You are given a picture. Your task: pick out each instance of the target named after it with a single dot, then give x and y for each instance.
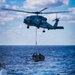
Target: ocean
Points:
(59, 60)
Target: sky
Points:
(14, 32)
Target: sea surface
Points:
(59, 60)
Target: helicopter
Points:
(40, 21)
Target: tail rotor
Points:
(56, 19)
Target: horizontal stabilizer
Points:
(60, 27)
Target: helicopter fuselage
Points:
(35, 20)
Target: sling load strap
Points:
(36, 37)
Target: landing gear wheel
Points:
(38, 27)
(27, 27)
(43, 31)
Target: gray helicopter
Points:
(40, 21)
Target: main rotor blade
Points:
(43, 9)
(55, 12)
(36, 12)
(16, 10)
